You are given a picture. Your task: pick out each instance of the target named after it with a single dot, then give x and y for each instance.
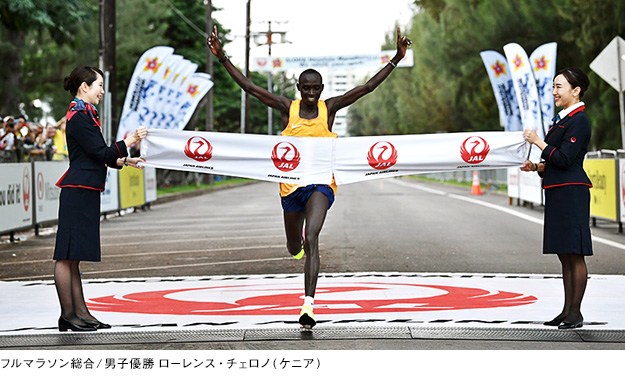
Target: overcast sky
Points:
(314, 27)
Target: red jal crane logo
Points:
(474, 150)
(386, 155)
(199, 149)
(290, 158)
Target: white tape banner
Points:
(308, 160)
(295, 160)
(367, 158)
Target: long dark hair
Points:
(576, 77)
(80, 74)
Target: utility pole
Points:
(108, 52)
(210, 118)
(245, 98)
(269, 80)
(269, 41)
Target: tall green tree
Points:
(21, 20)
(448, 88)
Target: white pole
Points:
(621, 102)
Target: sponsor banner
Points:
(367, 158)
(47, 194)
(280, 64)
(530, 187)
(525, 88)
(150, 184)
(140, 82)
(131, 187)
(543, 61)
(602, 174)
(194, 90)
(109, 199)
(503, 87)
(174, 96)
(16, 197)
(295, 160)
(164, 92)
(309, 160)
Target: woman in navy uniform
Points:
(567, 194)
(78, 235)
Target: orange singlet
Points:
(301, 127)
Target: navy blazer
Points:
(88, 153)
(567, 144)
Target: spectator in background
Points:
(50, 133)
(7, 141)
(60, 142)
(37, 144)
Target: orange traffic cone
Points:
(475, 188)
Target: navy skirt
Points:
(78, 234)
(567, 216)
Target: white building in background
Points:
(338, 82)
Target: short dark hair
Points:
(310, 71)
(80, 74)
(576, 77)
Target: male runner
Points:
(307, 205)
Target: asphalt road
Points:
(400, 225)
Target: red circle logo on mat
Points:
(285, 156)
(474, 150)
(382, 155)
(199, 149)
(26, 189)
(286, 299)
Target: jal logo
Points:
(199, 149)
(474, 150)
(285, 156)
(382, 155)
(26, 189)
(270, 299)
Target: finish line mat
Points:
(522, 301)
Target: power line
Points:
(185, 19)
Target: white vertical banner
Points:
(294, 160)
(195, 88)
(147, 66)
(165, 91)
(525, 87)
(367, 158)
(543, 61)
(172, 101)
(503, 87)
(155, 86)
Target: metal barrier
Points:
(29, 196)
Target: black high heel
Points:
(555, 321)
(95, 323)
(579, 322)
(65, 325)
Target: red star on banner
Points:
(518, 62)
(277, 63)
(541, 63)
(152, 64)
(193, 90)
(385, 59)
(499, 68)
